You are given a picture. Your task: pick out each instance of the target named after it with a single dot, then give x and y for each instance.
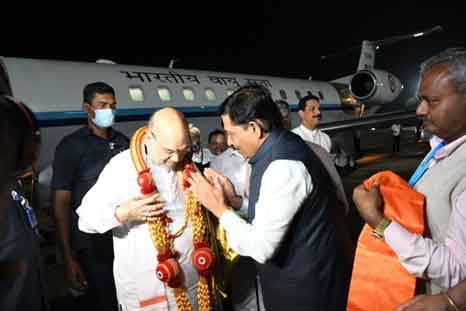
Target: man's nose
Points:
(176, 157)
(422, 109)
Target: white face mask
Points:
(104, 117)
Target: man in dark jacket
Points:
(292, 234)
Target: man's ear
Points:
(86, 107)
(300, 114)
(256, 129)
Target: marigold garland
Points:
(168, 268)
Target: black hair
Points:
(215, 133)
(91, 89)
(252, 102)
(305, 99)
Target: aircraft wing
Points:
(377, 120)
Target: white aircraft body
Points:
(53, 90)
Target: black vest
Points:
(308, 270)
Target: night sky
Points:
(282, 38)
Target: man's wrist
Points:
(450, 302)
(121, 214)
(374, 221)
(236, 202)
(220, 210)
(379, 229)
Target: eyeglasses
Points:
(169, 153)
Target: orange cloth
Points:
(379, 281)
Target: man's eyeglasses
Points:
(169, 152)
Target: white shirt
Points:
(396, 129)
(135, 255)
(236, 168)
(315, 136)
(204, 156)
(284, 186)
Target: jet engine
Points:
(374, 87)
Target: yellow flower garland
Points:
(160, 234)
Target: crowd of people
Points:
(256, 220)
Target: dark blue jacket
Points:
(308, 270)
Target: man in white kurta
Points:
(115, 203)
(236, 168)
(309, 113)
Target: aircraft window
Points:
(136, 93)
(229, 92)
(164, 94)
(188, 94)
(298, 94)
(321, 95)
(210, 94)
(310, 93)
(283, 94)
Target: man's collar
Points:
(309, 130)
(266, 145)
(111, 133)
(448, 149)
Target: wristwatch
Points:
(378, 231)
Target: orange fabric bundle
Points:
(379, 281)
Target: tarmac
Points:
(375, 155)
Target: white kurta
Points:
(315, 136)
(135, 256)
(236, 168)
(204, 156)
(284, 186)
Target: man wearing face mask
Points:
(79, 159)
(309, 112)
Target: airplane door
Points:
(5, 87)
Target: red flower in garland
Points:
(145, 182)
(186, 175)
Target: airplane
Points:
(52, 89)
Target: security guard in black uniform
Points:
(79, 159)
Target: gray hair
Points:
(455, 59)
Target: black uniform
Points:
(79, 159)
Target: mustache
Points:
(424, 120)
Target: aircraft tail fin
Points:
(367, 57)
(368, 48)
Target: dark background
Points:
(281, 38)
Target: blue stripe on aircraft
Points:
(60, 118)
